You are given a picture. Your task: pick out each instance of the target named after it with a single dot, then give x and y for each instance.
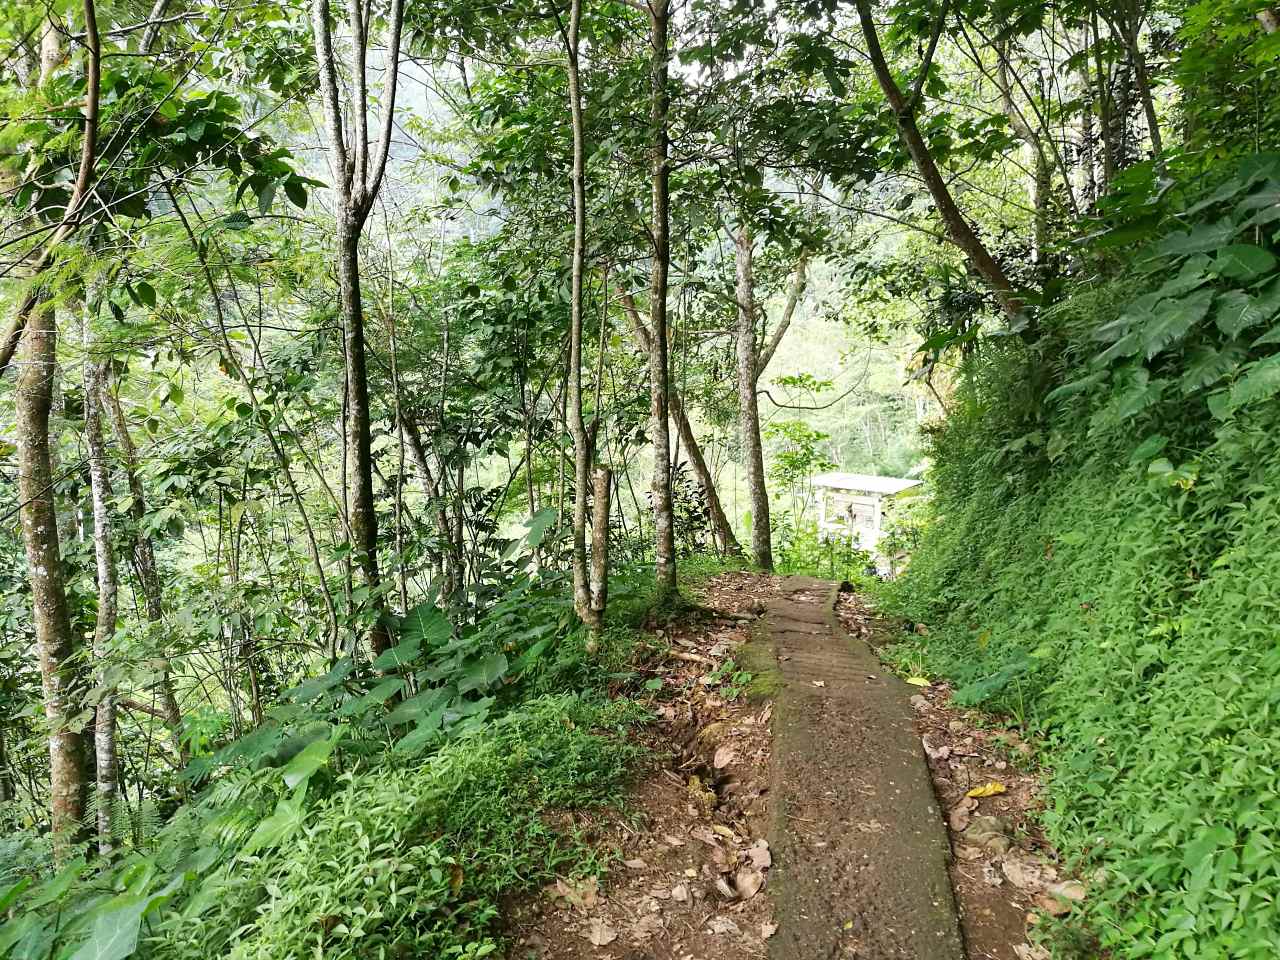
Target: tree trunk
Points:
(603, 478)
(358, 177)
(958, 229)
(582, 446)
(660, 171)
(364, 518)
(55, 644)
(450, 562)
(721, 529)
(726, 542)
(748, 407)
(145, 561)
(104, 725)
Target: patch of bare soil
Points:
(1005, 875)
(686, 863)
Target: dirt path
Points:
(793, 817)
(860, 850)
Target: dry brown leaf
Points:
(723, 757)
(600, 933)
(680, 893)
(1067, 890)
(636, 864)
(748, 880)
(722, 925)
(646, 927)
(581, 894)
(726, 891)
(818, 683)
(959, 816)
(724, 831)
(767, 930)
(760, 856)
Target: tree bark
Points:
(104, 725)
(358, 177)
(958, 229)
(603, 482)
(450, 562)
(660, 172)
(145, 560)
(721, 529)
(361, 509)
(748, 406)
(583, 594)
(55, 644)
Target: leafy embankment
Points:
(350, 824)
(1102, 565)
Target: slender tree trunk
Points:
(55, 643)
(364, 518)
(450, 561)
(145, 559)
(358, 174)
(726, 542)
(1106, 109)
(603, 481)
(1143, 82)
(660, 172)
(582, 445)
(721, 529)
(748, 407)
(104, 727)
(958, 229)
(7, 792)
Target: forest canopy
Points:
(369, 372)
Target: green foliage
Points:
(1101, 566)
(350, 825)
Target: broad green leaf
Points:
(1244, 262)
(239, 220)
(1261, 380)
(114, 932)
(296, 191)
(310, 689)
(1206, 366)
(1203, 238)
(379, 694)
(538, 524)
(421, 736)
(1077, 386)
(1173, 319)
(281, 824)
(398, 655)
(419, 705)
(480, 673)
(426, 623)
(310, 759)
(11, 894)
(1150, 447)
(1237, 311)
(531, 656)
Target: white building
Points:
(853, 506)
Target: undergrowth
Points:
(374, 814)
(1101, 566)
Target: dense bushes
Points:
(1106, 572)
(350, 825)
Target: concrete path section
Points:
(860, 850)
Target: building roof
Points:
(864, 482)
